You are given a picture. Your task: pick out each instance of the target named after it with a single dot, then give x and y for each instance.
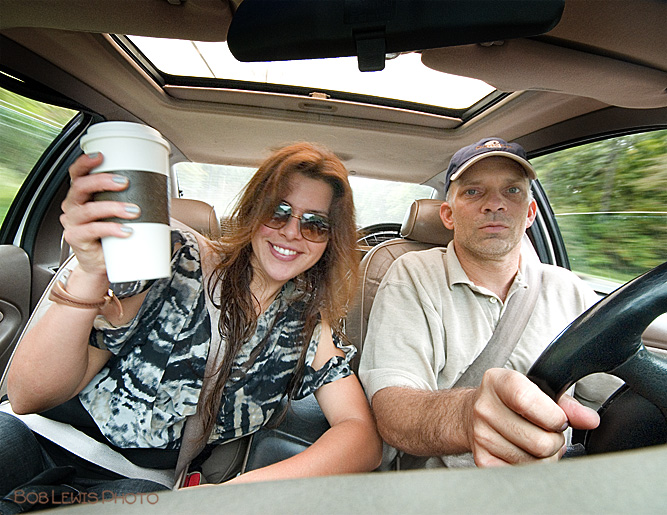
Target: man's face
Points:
(489, 208)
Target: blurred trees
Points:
(610, 200)
(28, 127)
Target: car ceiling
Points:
(602, 68)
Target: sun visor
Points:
(274, 30)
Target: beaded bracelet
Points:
(60, 295)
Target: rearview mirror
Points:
(281, 30)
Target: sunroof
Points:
(404, 78)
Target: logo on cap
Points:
(492, 144)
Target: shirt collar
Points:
(456, 274)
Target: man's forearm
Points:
(424, 423)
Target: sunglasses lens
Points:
(314, 228)
(280, 216)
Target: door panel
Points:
(15, 278)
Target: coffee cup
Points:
(141, 154)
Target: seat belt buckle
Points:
(192, 479)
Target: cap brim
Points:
(528, 168)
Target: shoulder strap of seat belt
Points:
(508, 331)
(194, 440)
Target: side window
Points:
(28, 128)
(610, 201)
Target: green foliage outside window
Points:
(376, 201)
(28, 128)
(610, 200)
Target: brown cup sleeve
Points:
(148, 190)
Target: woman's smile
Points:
(283, 252)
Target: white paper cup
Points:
(141, 154)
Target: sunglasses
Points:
(313, 227)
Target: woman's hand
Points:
(82, 217)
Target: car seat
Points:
(198, 215)
(421, 229)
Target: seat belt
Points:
(510, 327)
(194, 440)
(497, 351)
(80, 444)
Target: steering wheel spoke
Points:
(373, 235)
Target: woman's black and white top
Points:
(143, 395)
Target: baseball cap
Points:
(487, 147)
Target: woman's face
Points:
(281, 254)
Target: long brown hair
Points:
(328, 285)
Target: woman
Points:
(274, 291)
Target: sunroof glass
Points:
(404, 78)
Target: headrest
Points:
(422, 223)
(198, 215)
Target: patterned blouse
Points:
(152, 382)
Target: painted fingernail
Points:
(131, 208)
(120, 179)
(93, 155)
(564, 427)
(126, 229)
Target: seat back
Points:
(422, 229)
(198, 215)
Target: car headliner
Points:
(601, 69)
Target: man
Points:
(436, 310)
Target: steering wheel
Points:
(377, 233)
(607, 338)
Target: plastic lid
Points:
(123, 129)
